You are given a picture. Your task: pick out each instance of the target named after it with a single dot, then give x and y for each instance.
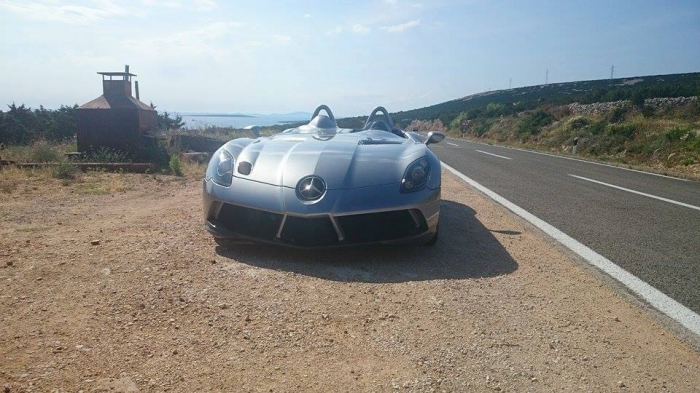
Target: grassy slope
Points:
(538, 117)
(665, 139)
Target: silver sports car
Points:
(319, 185)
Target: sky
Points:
(283, 56)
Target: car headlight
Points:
(416, 176)
(221, 168)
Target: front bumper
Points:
(271, 214)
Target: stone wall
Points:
(602, 107)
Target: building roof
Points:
(116, 102)
(117, 73)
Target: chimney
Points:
(136, 85)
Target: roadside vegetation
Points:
(665, 137)
(651, 121)
(48, 137)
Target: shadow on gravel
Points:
(465, 249)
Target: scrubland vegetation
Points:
(667, 137)
(636, 121)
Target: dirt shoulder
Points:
(156, 306)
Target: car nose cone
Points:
(311, 188)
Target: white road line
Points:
(638, 192)
(579, 160)
(495, 155)
(452, 144)
(653, 296)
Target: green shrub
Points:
(578, 122)
(41, 151)
(676, 134)
(597, 127)
(482, 128)
(617, 115)
(624, 131)
(65, 171)
(534, 121)
(107, 155)
(175, 165)
(154, 150)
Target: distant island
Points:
(218, 115)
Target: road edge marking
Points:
(638, 192)
(657, 299)
(495, 155)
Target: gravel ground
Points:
(112, 284)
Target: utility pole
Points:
(546, 76)
(612, 70)
(510, 83)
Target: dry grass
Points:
(667, 140)
(16, 181)
(40, 151)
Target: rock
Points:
(122, 385)
(95, 242)
(223, 306)
(10, 263)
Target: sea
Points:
(241, 120)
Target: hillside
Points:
(652, 121)
(585, 92)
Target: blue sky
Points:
(282, 56)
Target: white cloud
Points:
(202, 41)
(392, 2)
(205, 5)
(86, 59)
(360, 29)
(163, 3)
(73, 14)
(335, 31)
(307, 15)
(402, 27)
(283, 39)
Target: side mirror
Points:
(254, 129)
(434, 137)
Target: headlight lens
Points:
(222, 166)
(416, 176)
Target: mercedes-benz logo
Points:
(311, 188)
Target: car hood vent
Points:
(379, 142)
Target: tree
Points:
(165, 122)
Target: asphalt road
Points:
(645, 223)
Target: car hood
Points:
(343, 161)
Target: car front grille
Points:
(309, 232)
(319, 231)
(384, 226)
(249, 222)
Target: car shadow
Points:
(465, 249)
